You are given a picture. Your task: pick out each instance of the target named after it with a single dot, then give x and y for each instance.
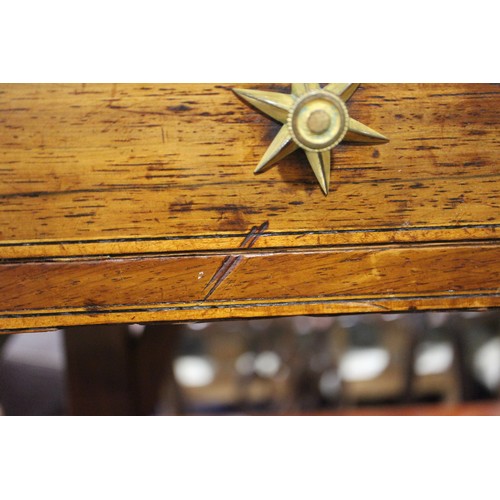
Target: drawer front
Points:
(139, 203)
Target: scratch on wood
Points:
(230, 263)
(254, 234)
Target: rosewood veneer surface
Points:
(138, 203)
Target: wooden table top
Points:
(138, 203)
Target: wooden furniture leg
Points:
(111, 372)
(98, 380)
(152, 363)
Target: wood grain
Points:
(143, 197)
(189, 288)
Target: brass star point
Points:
(314, 119)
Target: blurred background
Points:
(418, 363)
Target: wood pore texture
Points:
(138, 203)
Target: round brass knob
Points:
(318, 121)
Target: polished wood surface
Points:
(245, 285)
(124, 203)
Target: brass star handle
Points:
(314, 119)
